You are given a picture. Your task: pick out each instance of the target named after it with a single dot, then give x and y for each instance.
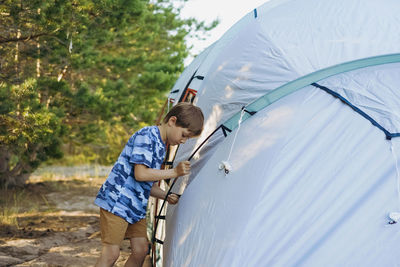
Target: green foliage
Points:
(30, 132)
(81, 76)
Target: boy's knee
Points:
(140, 249)
(111, 253)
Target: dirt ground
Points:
(63, 230)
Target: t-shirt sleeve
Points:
(142, 151)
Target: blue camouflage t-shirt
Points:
(121, 194)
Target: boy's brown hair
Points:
(188, 116)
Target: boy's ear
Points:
(172, 121)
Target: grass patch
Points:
(15, 201)
(32, 198)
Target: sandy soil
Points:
(68, 235)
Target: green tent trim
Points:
(290, 87)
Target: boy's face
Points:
(177, 135)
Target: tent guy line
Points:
(395, 216)
(226, 167)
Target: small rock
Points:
(23, 247)
(7, 260)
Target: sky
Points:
(227, 11)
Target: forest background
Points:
(78, 77)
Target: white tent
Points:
(303, 100)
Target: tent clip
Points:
(158, 241)
(224, 165)
(225, 130)
(394, 217)
(250, 112)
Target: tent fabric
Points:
(312, 197)
(374, 90)
(287, 40)
(390, 109)
(179, 86)
(312, 181)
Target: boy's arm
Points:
(146, 174)
(157, 192)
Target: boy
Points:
(124, 195)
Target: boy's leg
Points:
(137, 234)
(139, 250)
(112, 229)
(109, 255)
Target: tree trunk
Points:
(38, 52)
(17, 176)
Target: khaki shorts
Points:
(114, 229)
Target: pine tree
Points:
(80, 76)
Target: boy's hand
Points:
(183, 168)
(173, 198)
